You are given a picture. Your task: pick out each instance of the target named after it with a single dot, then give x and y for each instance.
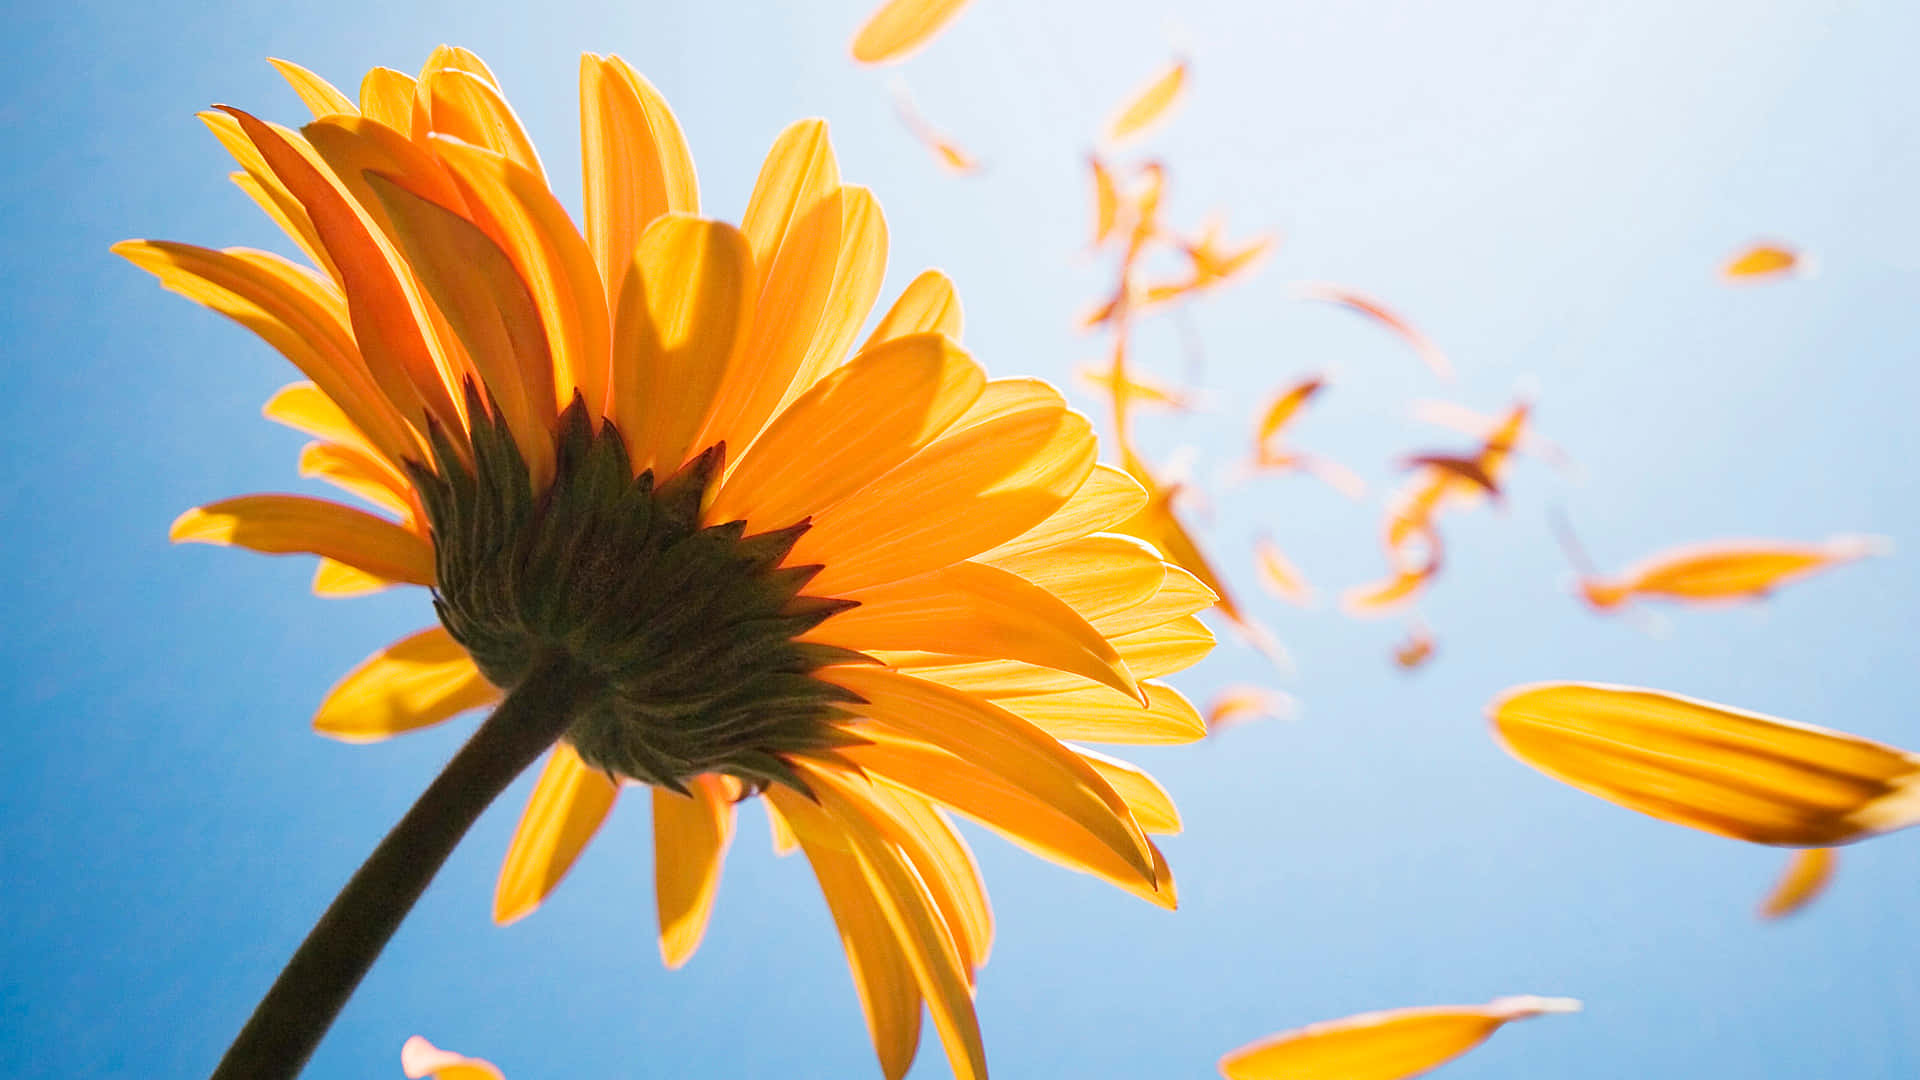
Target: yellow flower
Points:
(873, 590)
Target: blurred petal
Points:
(899, 27)
(1387, 1045)
(1148, 105)
(1807, 874)
(1710, 767)
(1428, 352)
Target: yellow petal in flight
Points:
(1727, 571)
(1150, 104)
(1806, 876)
(420, 1059)
(1389, 1045)
(1422, 345)
(1763, 262)
(900, 27)
(1713, 768)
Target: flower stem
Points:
(289, 1022)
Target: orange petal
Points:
(883, 406)
(927, 305)
(415, 682)
(1004, 744)
(1710, 767)
(1238, 705)
(297, 525)
(1280, 576)
(331, 578)
(386, 95)
(420, 1059)
(359, 473)
(1387, 1045)
(569, 802)
(468, 106)
(1105, 499)
(690, 839)
(1423, 346)
(1097, 576)
(685, 307)
(316, 93)
(1148, 105)
(899, 27)
(973, 610)
(1807, 874)
(1761, 262)
(1732, 570)
(636, 165)
(1011, 474)
(1097, 715)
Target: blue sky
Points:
(1545, 192)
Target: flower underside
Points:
(686, 632)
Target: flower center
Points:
(687, 631)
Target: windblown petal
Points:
(1387, 1045)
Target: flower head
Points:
(873, 589)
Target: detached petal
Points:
(1710, 767)
(899, 27)
(1387, 1045)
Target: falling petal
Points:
(1727, 571)
(1428, 352)
(900, 27)
(420, 1059)
(1148, 105)
(1415, 649)
(1807, 874)
(1280, 576)
(1710, 767)
(1390, 1045)
(1763, 262)
(1238, 705)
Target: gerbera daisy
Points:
(681, 537)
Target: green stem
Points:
(289, 1022)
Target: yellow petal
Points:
(531, 226)
(929, 945)
(1005, 397)
(794, 292)
(316, 93)
(331, 578)
(1106, 201)
(780, 832)
(1236, 705)
(927, 305)
(1160, 649)
(357, 473)
(415, 682)
(1011, 474)
(1742, 569)
(690, 839)
(970, 609)
(1106, 498)
(994, 802)
(685, 306)
(1097, 715)
(1806, 876)
(455, 58)
(799, 171)
(1761, 261)
(946, 864)
(1148, 105)
(388, 323)
(1280, 576)
(1095, 575)
(1382, 1045)
(858, 270)
(1151, 805)
(1158, 525)
(291, 311)
(303, 407)
(386, 95)
(636, 165)
(420, 1059)
(297, 525)
(1707, 766)
(881, 974)
(569, 802)
(1027, 758)
(882, 406)
(898, 27)
(489, 307)
(264, 188)
(469, 107)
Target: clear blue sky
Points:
(1545, 193)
